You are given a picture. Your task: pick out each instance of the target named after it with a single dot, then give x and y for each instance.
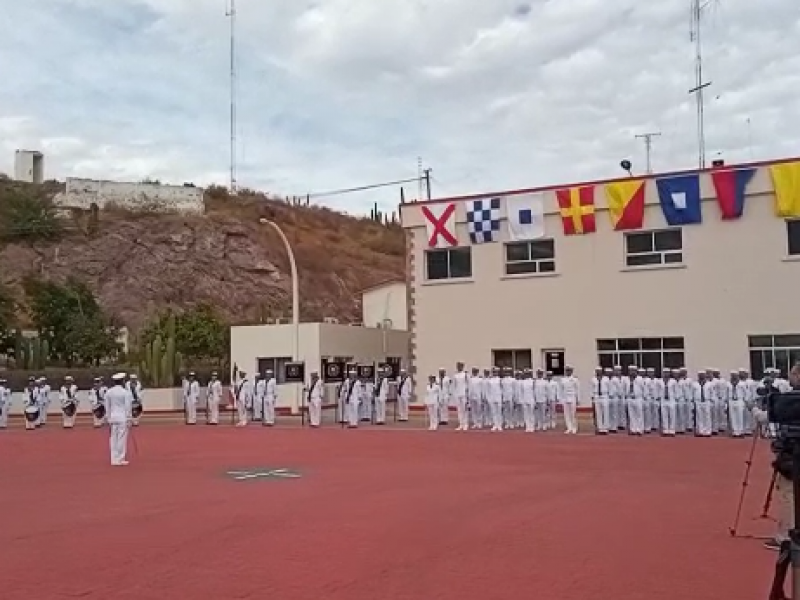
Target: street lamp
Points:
(295, 291)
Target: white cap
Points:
(68, 378)
(133, 376)
(118, 377)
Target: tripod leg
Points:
(749, 463)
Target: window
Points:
(516, 359)
(276, 365)
(661, 247)
(773, 351)
(530, 257)
(449, 263)
(793, 237)
(645, 353)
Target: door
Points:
(554, 361)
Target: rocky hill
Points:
(139, 263)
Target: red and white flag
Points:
(440, 223)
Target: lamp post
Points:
(295, 293)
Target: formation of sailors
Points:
(36, 400)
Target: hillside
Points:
(140, 263)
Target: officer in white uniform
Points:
(119, 403)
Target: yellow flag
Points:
(786, 180)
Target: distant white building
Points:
(386, 305)
(29, 166)
(83, 193)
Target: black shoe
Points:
(772, 545)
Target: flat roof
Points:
(384, 283)
(558, 186)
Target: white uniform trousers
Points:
(241, 409)
(462, 411)
(118, 442)
(258, 408)
(749, 422)
(636, 415)
(704, 418)
(737, 414)
(570, 416)
(539, 416)
(444, 412)
(496, 410)
(269, 411)
(433, 416)
(602, 414)
(4, 410)
(212, 412)
(668, 417)
(68, 422)
(402, 408)
(720, 415)
(380, 410)
(191, 412)
(352, 412)
(315, 412)
(476, 413)
(528, 409)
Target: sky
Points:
(490, 95)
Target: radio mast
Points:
(699, 84)
(231, 14)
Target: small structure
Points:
(29, 166)
(152, 197)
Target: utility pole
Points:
(427, 178)
(648, 147)
(699, 84)
(231, 14)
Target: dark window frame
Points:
(653, 247)
(516, 363)
(624, 354)
(276, 363)
(465, 251)
(540, 257)
(793, 237)
(777, 350)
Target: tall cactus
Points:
(160, 361)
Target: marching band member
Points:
(243, 395)
(528, 401)
(665, 403)
(191, 399)
(432, 402)
(213, 398)
(494, 394)
(460, 390)
(97, 402)
(704, 395)
(508, 397)
(134, 386)
(475, 398)
(445, 393)
(600, 401)
(404, 388)
(569, 394)
(270, 398)
(119, 403)
(351, 397)
(381, 396)
(43, 393)
(31, 404)
(5, 402)
(68, 395)
(260, 397)
(541, 391)
(314, 392)
(367, 391)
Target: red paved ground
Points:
(389, 515)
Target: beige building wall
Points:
(386, 302)
(317, 341)
(715, 298)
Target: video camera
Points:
(783, 408)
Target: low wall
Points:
(82, 193)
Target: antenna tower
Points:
(231, 14)
(699, 85)
(648, 147)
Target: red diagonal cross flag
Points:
(440, 222)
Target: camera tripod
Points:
(734, 529)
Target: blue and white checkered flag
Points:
(483, 220)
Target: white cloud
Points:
(339, 93)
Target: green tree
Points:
(71, 319)
(201, 334)
(26, 217)
(7, 310)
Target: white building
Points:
(29, 166)
(256, 348)
(152, 197)
(720, 293)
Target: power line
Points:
(364, 188)
(648, 147)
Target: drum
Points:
(69, 408)
(32, 414)
(136, 409)
(99, 410)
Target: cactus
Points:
(160, 361)
(45, 352)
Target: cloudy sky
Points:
(492, 94)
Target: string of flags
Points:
(679, 197)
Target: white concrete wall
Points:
(385, 302)
(82, 193)
(29, 166)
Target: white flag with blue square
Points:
(483, 220)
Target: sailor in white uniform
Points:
(119, 404)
